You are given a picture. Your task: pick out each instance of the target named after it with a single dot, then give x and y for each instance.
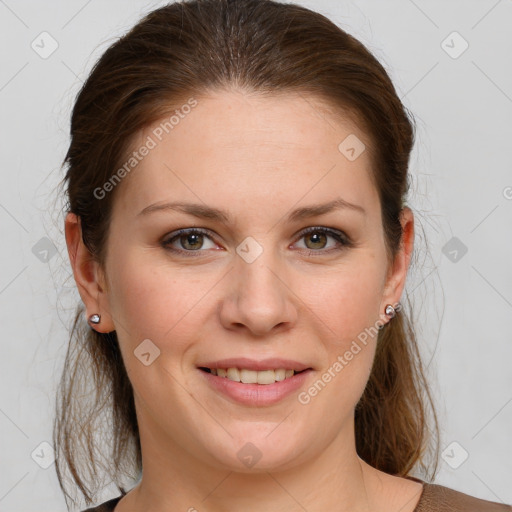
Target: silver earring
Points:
(390, 310)
(95, 319)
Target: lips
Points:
(260, 394)
(252, 364)
(253, 376)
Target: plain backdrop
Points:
(451, 64)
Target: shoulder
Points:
(434, 498)
(438, 498)
(108, 506)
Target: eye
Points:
(317, 238)
(189, 240)
(192, 240)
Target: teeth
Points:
(233, 374)
(253, 376)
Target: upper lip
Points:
(273, 363)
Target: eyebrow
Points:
(207, 212)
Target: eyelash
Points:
(343, 240)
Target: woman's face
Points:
(252, 284)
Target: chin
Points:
(257, 453)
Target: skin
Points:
(257, 158)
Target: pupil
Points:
(316, 235)
(192, 236)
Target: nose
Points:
(259, 298)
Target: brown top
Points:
(434, 498)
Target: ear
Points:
(88, 274)
(397, 274)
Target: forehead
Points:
(249, 147)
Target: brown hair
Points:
(189, 48)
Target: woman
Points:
(237, 228)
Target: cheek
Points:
(156, 302)
(140, 301)
(347, 303)
(348, 300)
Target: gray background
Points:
(461, 195)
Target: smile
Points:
(247, 376)
(254, 388)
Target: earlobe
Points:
(88, 275)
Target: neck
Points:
(175, 479)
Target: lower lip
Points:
(257, 395)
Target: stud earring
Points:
(95, 319)
(391, 311)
